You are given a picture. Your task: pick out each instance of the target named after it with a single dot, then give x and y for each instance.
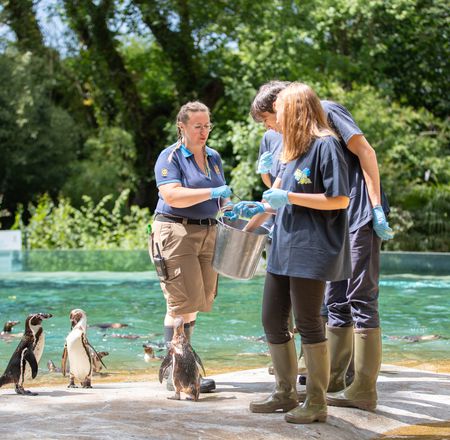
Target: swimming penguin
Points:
(105, 325)
(9, 326)
(52, 368)
(149, 353)
(97, 363)
(7, 334)
(185, 364)
(25, 359)
(79, 352)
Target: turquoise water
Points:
(228, 337)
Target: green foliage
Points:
(108, 166)
(38, 140)
(92, 226)
(112, 260)
(92, 119)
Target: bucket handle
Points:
(219, 218)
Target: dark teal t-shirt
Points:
(311, 243)
(273, 142)
(360, 208)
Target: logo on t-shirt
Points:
(302, 177)
(164, 172)
(217, 169)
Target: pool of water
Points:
(229, 337)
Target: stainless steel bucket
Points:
(237, 253)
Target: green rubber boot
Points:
(362, 393)
(340, 347)
(314, 408)
(284, 397)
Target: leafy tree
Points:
(37, 139)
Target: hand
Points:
(265, 163)
(220, 191)
(249, 209)
(380, 224)
(228, 212)
(276, 198)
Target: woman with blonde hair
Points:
(310, 246)
(192, 189)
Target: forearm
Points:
(371, 173)
(318, 201)
(266, 179)
(257, 220)
(180, 197)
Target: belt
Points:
(186, 221)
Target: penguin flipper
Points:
(198, 360)
(32, 362)
(166, 363)
(64, 360)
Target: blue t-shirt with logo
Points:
(179, 165)
(312, 243)
(360, 208)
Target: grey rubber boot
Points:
(362, 393)
(284, 397)
(314, 408)
(340, 347)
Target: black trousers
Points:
(305, 296)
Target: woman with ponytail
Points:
(192, 189)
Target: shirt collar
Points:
(187, 153)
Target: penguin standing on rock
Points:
(25, 359)
(79, 352)
(185, 364)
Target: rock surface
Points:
(412, 404)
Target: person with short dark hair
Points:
(351, 305)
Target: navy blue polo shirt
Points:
(312, 243)
(273, 142)
(360, 208)
(178, 165)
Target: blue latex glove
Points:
(228, 212)
(265, 163)
(276, 198)
(249, 209)
(220, 191)
(380, 224)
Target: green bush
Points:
(61, 226)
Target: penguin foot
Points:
(23, 392)
(175, 397)
(71, 385)
(87, 386)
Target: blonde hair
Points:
(303, 120)
(183, 116)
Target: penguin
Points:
(149, 353)
(185, 364)
(7, 334)
(124, 336)
(52, 368)
(106, 325)
(78, 351)
(9, 326)
(97, 363)
(25, 359)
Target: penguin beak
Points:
(45, 315)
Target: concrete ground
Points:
(413, 404)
